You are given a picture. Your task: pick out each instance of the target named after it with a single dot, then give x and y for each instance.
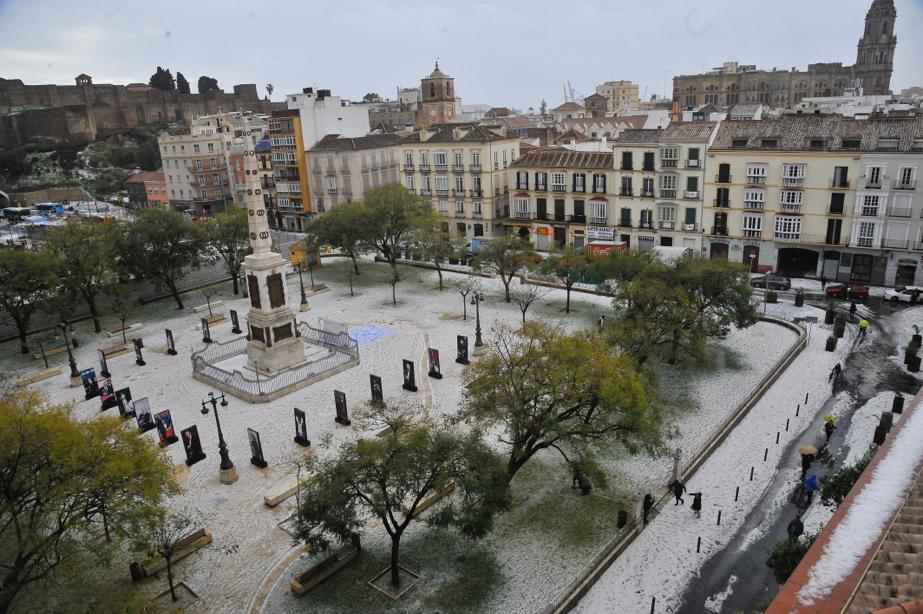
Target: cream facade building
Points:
(619, 95)
(345, 169)
(462, 170)
(818, 196)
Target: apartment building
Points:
(147, 189)
(659, 180)
(561, 197)
(288, 205)
(196, 165)
(462, 169)
(321, 114)
(620, 95)
(344, 169)
(251, 174)
(818, 196)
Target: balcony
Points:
(692, 164)
(756, 180)
(646, 225)
(720, 179)
(872, 185)
(558, 188)
(579, 218)
(721, 202)
(690, 194)
(790, 207)
(647, 194)
(793, 181)
(630, 167)
(839, 183)
(598, 189)
(331, 190)
(441, 168)
(408, 168)
(442, 192)
(625, 192)
(477, 215)
(648, 168)
(458, 168)
(425, 192)
(905, 185)
(522, 186)
(476, 193)
(719, 230)
(424, 168)
(894, 243)
(665, 225)
(900, 211)
(459, 193)
(753, 204)
(474, 168)
(788, 237)
(865, 242)
(667, 193)
(669, 163)
(522, 215)
(625, 223)
(752, 233)
(460, 214)
(541, 187)
(689, 227)
(599, 221)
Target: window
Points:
(724, 173)
(211, 147)
(522, 180)
(693, 155)
(723, 197)
(692, 185)
(579, 182)
(834, 228)
(869, 204)
(444, 207)
(599, 183)
(668, 186)
(754, 199)
(852, 143)
(558, 182)
(475, 158)
(496, 161)
(331, 184)
(865, 234)
(424, 158)
(666, 217)
(476, 185)
(689, 221)
(195, 148)
(439, 158)
(426, 185)
(793, 174)
(756, 173)
(739, 143)
(670, 153)
(788, 227)
(626, 186)
(479, 230)
(410, 186)
(476, 207)
(905, 178)
(408, 159)
(647, 218)
(541, 181)
(169, 177)
(521, 207)
(647, 187)
(442, 185)
(648, 164)
(753, 225)
(840, 177)
(836, 202)
(504, 158)
(598, 211)
(768, 143)
(873, 177)
(626, 161)
(459, 184)
(460, 208)
(791, 200)
(625, 217)
(457, 158)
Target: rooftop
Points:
(334, 142)
(448, 133)
(147, 176)
(688, 131)
(569, 106)
(639, 135)
(564, 158)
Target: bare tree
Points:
(466, 286)
(524, 295)
(208, 293)
(167, 535)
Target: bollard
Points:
(698, 544)
(751, 474)
(786, 425)
(653, 601)
(765, 454)
(797, 409)
(736, 493)
(806, 398)
(719, 518)
(777, 436)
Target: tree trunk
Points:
(106, 523)
(439, 271)
(8, 591)
(23, 338)
(464, 307)
(394, 294)
(523, 316)
(179, 302)
(506, 286)
(351, 284)
(170, 578)
(124, 338)
(94, 312)
(234, 281)
(567, 305)
(355, 263)
(395, 551)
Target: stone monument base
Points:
(227, 476)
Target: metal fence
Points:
(343, 350)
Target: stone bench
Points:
(49, 352)
(277, 494)
(204, 307)
(117, 332)
(304, 582)
(189, 544)
(117, 349)
(37, 377)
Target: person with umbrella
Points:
(808, 453)
(829, 426)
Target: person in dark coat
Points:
(678, 489)
(835, 373)
(795, 528)
(806, 460)
(852, 309)
(829, 427)
(647, 506)
(697, 503)
(823, 282)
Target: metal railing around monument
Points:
(343, 350)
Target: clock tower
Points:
(438, 99)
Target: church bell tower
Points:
(438, 99)
(875, 55)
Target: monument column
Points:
(275, 343)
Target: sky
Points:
(504, 53)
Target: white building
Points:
(323, 114)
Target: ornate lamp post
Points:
(75, 374)
(227, 473)
(304, 299)
(478, 297)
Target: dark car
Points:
(847, 291)
(771, 281)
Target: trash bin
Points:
(136, 572)
(623, 518)
(897, 405)
(879, 438)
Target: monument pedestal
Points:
(274, 342)
(227, 476)
(304, 307)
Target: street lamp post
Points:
(227, 473)
(478, 297)
(304, 299)
(75, 374)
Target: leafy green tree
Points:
(786, 554)
(388, 477)
(182, 84)
(549, 389)
(28, 281)
(59, 478)
(620, 267)
(343, 227)
(148, 156)
(568, 266)
(227, 235)
(207, 84)
(162, 80)
(86, 249)
(15, 163)
(505, 256)
(835, 488)
(543, 107)
(720, 291)
(371, 97)
(160, 244)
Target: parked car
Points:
(771, 281)
(847, 291)
(906, 294)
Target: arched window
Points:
(432, 90)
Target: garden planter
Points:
(914, 365)
(416, 257)
(831, 343)
(830, 316)
(799, 300)
(897, 406)
(839, 328)
(909, 353)
(916, 340)
(772, 297)
(453, 260)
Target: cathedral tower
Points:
(875, 56)
(438, 99)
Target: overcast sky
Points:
(504, 52)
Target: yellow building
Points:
(620, 95)
(462, 169)
(560, 197)
(290, 172)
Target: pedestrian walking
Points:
(648, 505)
(602, 321)
(863, 327)
(835, 373)
(810, 485)
(795, 528)
(678, 489)
(823, 282)
(829, 426)
(697, 503)
(852, 309)
(806, 460)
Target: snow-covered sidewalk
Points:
(662, 560)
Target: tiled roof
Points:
(334, 142)
(794, 132)
(688, 131)
(569, 106)
(639, 135)
(156, 176)
(744, 109)
(446, 134)
(564, 158)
